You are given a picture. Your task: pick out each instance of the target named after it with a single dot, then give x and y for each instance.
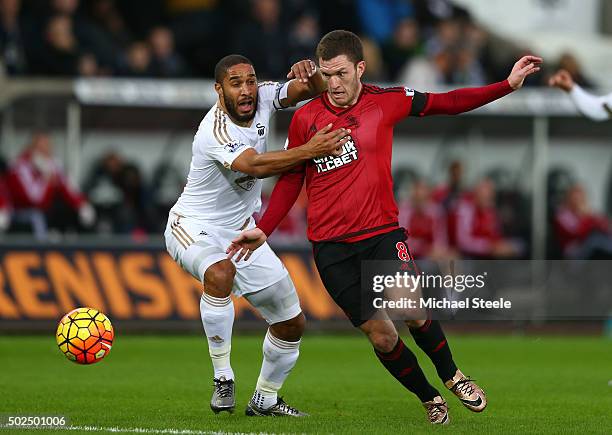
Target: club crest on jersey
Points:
(409, 92)
(246, 183)
(232, 147)
(329, 163)
(261, 129)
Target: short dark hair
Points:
(339, 42)
(226, 63)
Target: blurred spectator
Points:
(167, 185)
(104, 190)
(468, 71)
(371, 54)
(42, 196)
(61, 53)
(119, 195)
(166, 61)
(138, 62)
(264, 40)
(448, 193)
(12, 44)
(425, 223)
(106, 16)
(478, 226)
(379, 18)
(429, 13)
(428, 73)
(581, 233)
(400, 49)
(304, 38)
(90, 38)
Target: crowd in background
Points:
(422, 43)
(451, 220)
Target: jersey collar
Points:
(341, 110)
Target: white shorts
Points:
(196, 245)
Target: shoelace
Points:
(435, 409)
(464, 386)
(224, 388)
(284, 407)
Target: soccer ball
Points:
(85, 335)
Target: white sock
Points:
(279, 357)
(218, 320)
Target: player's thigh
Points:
(340, 271)
(192, 247)
(393, 253)
(277, 303)
(262, 270)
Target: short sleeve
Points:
(271, 94)
(400, 102)
(219, 145)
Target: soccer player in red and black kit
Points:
(352, 214)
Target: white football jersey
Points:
(214, 193)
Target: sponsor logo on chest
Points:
(329, 163)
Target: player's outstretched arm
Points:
(306, 82)
(593, 107)
(323, 143)
(467, 99)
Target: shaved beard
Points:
(230, 106)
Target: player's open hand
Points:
(562, 80)
(246, 243)
(302, 71)
(526, 66)
(326, 142)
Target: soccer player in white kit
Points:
(591, 106)
(223, 191)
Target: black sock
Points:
(431, 339)
(404, 367)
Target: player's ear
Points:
(361, 66)
(219, 89)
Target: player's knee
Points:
(219, 279)
(290, 330)
(383, 341)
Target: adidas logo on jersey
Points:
(329, 163)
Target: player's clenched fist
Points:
(526, 66)
(326, 142)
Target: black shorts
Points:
(340, 268)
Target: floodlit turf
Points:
(535, 385)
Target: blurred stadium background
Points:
(99, 101)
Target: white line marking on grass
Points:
(138, 430)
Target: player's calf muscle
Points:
(381, 334)
(219, 279)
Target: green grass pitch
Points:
(163, 385)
